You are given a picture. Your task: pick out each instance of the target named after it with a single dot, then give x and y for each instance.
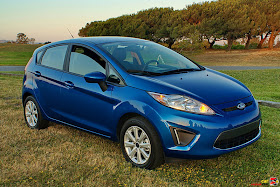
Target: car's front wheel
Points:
(141, 144)
(32, 114)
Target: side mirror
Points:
(97, 77)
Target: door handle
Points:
(37, 73)
(69, 84)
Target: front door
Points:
(85, 105)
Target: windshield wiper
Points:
(178, 71)
(149, 73)
(139, 72)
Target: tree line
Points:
(222, 19)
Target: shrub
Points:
(194, 42)
(237, 46)
(253, 45)
(220, 46)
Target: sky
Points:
(48, 20)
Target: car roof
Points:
(94, 40)
(101, 39)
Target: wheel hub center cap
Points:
(137, 145)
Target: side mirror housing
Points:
(97, 77)
(114, 79)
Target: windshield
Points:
(148, 58)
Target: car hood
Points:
(208, 86)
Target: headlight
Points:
(183, 103)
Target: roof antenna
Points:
(70, 33)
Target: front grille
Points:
(237, 136)
(229, 109)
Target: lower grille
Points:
(237, 136)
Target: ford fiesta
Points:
(152, 100)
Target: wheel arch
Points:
(25, 95)
(123, 119)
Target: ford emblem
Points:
(241, 106)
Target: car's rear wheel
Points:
(141, 144)
(32, 114)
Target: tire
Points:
(32, 114)
(144, 151)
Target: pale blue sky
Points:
(48, 20)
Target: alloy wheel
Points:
(31, 113)
(137, 145)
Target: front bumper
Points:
(207, 130)
(203, 146)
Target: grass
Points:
(253, 57)
(60, 155)
(16, 54)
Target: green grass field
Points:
(63, 156)
(16, 54)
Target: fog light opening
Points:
(181, 137)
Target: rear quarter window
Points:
(54, 57)
(38, 56)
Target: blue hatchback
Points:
(152, 100)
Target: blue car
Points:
(154, 101)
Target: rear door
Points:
(47, 78)
(85, 104)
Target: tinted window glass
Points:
(54, 57)
(83, 61)
(39, 56)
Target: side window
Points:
(83, 61)
(54, 57)
(39, 56)
(114, 77)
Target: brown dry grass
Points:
(252, 57)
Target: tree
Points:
(270, 9)
(32, 40)
(210, 28)
(257, 20)
(229, 19)
(232, 19)
(193, 41)
(170, 28)
(156, 24)
(235, 22)
(204, 17)
(22, 38)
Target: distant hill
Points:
(5, 41)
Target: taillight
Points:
(28, 63)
